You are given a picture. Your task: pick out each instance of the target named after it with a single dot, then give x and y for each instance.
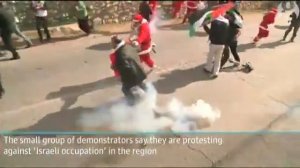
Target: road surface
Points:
(52, 84)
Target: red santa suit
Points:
(177, 5)
(144, 40)
(269, 18)
(192, 6)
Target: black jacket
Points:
(295, 20)
(233, 29)
(130, 71)
(145, 10)
(218, 33)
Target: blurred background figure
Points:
(7, 26)
(295, 24)
(177, 6)
(82, 16)
(269, 18)
(145, 10)
(192, 7)
(10, 8)
(153, 6)
(41, 14)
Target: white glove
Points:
(135, 43)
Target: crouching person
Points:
(129, 71)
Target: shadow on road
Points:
(110, 33)
(101, 47)
(245, 47)
(178, 26)
(36, 42)
(64, 120)
(70, 94)
(281, 27)
(273, 44)
(180, 78)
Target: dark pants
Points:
(42, 22)
(84, 25)
(226, 53)
(295, 28)
(8, 43)
(128, 92)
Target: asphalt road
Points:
(52, 84)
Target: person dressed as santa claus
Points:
(177, 5)
(269, 18)
(153, 6)
(142, 40)
(192, 7)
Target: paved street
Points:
(53, 84)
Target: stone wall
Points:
(104, 12)
(60, 12)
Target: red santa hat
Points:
(137, 18)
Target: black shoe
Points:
(16, 56)
(28, 45)
(292, 40)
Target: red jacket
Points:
(112, 57)
(144, 37)
(269, 18)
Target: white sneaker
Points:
(213, 76)
(235, 63)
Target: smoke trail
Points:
(146, 116)
(155, 21)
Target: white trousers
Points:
(214, 57)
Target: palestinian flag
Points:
(238, 19)
(209, 16)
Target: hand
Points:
(135, 43)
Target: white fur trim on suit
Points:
(122, 43)
(144, 21)
(261, 27)
(145, 51)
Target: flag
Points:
(238, 20)
(208, 16)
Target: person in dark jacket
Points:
(145, 10)
(232, 42)
(16, 29)
(7, 28)
(218, 33)
(295, 24)
(131, 74)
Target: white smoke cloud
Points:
(146, 116)
(154, 23)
